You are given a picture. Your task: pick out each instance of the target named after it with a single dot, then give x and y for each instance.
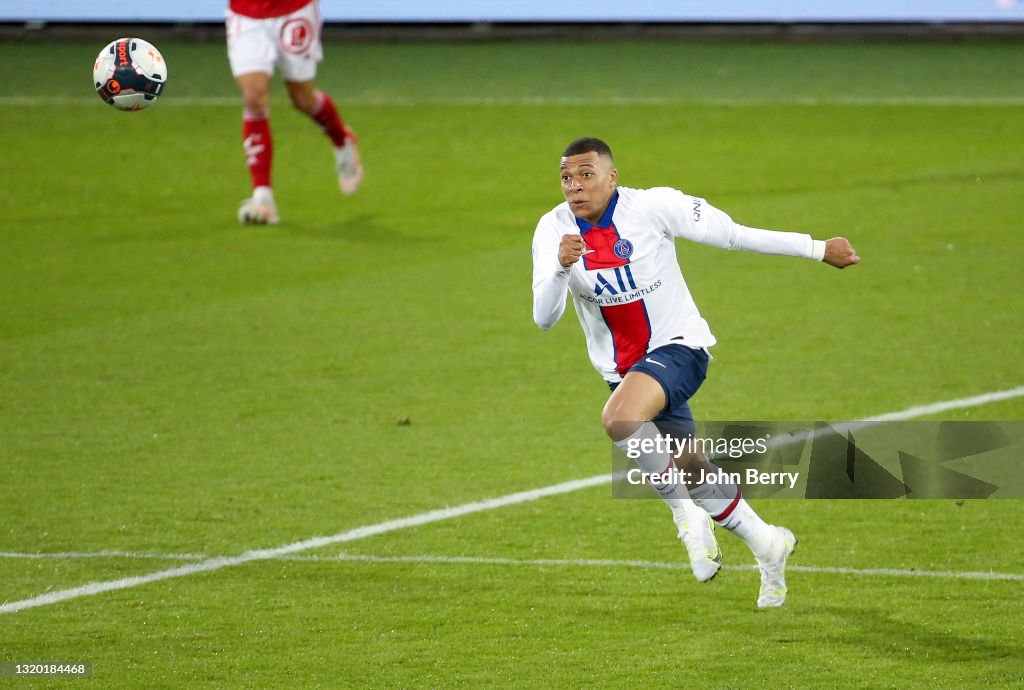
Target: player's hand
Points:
(570, 249)
(840, 253)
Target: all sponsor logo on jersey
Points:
(696, 209)
(621, 278)
(623, 249)
(618, 288)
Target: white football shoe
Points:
(259, 209)
(251, 213)
(697, 532)
(773, 569)
(349, 164)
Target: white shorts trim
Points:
(291, 43)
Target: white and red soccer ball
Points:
(130, 74)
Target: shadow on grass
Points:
(889, 636)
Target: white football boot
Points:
(697, 532)
(349, 164)
(773, 569)
(259, 209)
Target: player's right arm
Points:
(553, 257)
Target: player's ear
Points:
(614, 175)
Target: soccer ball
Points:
(130, 74)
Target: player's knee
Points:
(255, 97)
(609, 421)
(617, 423)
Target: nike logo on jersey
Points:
(655, 362)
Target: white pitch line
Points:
(935, 408)
(537, 562)
(304, 545)
(844, 428)
(76, 555)
(416, 520)
(601, 563)
(474, 101)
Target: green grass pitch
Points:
(173, 383)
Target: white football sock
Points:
(748, 526)
(727, 506)
(654, 463)
(715, 497)
(263, 195)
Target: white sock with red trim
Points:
(725, 502)
(654, 464)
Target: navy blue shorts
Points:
(680, 370)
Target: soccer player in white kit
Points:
(613, 250)
(262, 35)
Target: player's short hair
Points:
(587, 145)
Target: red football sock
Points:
(326, 115)
(259, 147)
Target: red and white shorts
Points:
(291, 42)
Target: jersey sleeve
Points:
(695, 219)
(550, 278)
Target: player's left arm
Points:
(836, 251)
(840, 253)
(697, 220)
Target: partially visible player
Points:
(262, 35)
(613, 250)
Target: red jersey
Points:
(266, 9)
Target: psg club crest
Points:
(623, 249)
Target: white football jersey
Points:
(628, 289)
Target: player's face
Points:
(588, 182)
